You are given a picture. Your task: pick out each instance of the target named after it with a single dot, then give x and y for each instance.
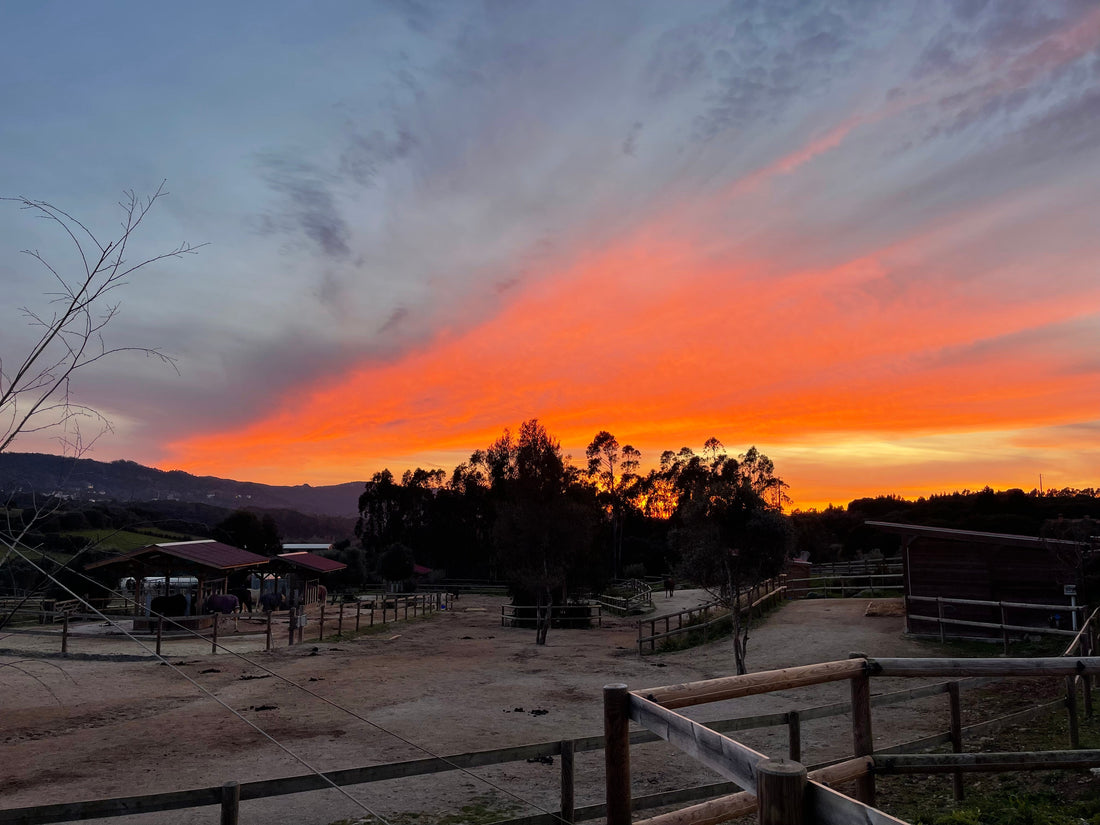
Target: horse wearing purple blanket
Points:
(224, 603)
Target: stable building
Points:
(966, 583)
(198, 569)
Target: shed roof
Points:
(973, 536)
(311, 561)
(203, 553)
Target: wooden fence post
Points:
(321, 625)
(567, 775)
(160, 632)
(293, 624)
(616, 730)
(794, 736)
(267, 632)
(956, 736)
(358, 612)
(214, 637)
(231, 803)
(780, 791)
(65, 635)
(1071, 708)
(862, 738)
(340, 621)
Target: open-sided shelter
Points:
(301, 573)
(208, 562)
(1001, 568)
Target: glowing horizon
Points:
(860, 239)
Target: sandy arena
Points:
(75, 729)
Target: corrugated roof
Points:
(207, 553)
(311, 561)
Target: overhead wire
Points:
(322, 699)
(203, 689)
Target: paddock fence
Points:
(990, 619)
(705, 618)
(638, 597)
(581, 615)
(859, 567)
(296, 626)
(721, 795)
(776, 788)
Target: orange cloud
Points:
(665, 347)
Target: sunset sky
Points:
(861, 236)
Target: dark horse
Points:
(244, 599)
(174, 605)
(272, 601)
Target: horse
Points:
(244, 599)
(224, 603)
(174, 605)
(272, 601)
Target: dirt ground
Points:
(75, 729)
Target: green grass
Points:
(1066, 797)
(123, 541)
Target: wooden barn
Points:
(970, 584)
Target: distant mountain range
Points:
(86, 480)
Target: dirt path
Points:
(72, 730)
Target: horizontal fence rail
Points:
(999, 611)
(705, 617)
(365, 612)
(788, 786)
(590, 615)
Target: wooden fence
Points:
(561, 615)
(639, 598)
(702, 619)
(311, 624)
(857, 568)
(775, 789)
(999, 610)
(845, 585)
(229, 795)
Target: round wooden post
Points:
(340, 621)
(780, 792)
(862, 739)
(267, 639)
(567, 773)
(358, 612)
(956, 736)
(321, 631)
(160, 632)
(214, 638)
(231, 803)
(1071, 708)
(794, 736)
(293, 623)
(616, 729)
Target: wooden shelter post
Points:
(616, 728)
